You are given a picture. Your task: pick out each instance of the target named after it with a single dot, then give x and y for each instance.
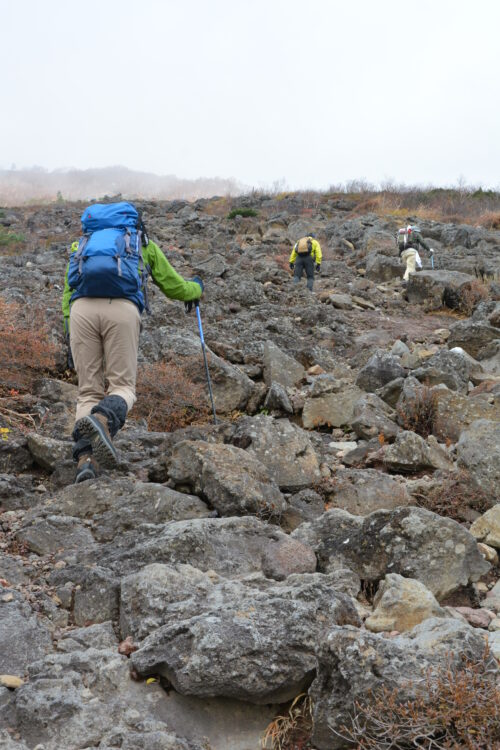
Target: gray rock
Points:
(232, 480)
(478, 452)
(276, 631)
(231, 547)
(474, 336)
(353, 663)
(455, 413)
(381, 268)
(305, 505)
(96, 599)
(333, 409)
(23, 637)
(47, 452)
(380, 369)
(372, 417)
(361, 492)
(445, 367)
(281, 368)
(14, 454)
(116, 505)
(411, 453)
(410, 541)
(391, 392)
(277, 399)
(284, 448)
(56, 535)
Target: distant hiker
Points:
(105, 292)
(409, 239)
(306, 256)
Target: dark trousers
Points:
(304, 263)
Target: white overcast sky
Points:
(312, 92)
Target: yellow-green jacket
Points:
(162, 273)
(315, 252)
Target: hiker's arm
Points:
(318, 256)
(166, 278)
(293, 256)
(424, 244)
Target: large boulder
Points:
(232, 547)
(487, 527)
(354, 664)
(247, 643)
(438, 288)
(410, 541)
(232, 480)
(282, 447)
(372, 417)
(456, 412)
(478, 451)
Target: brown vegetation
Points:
(292, 730)
(470, 296)
(168, 398)
(455, 497)
(455, 708)
(419, 413)
(26, 351)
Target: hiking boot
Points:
(87, 468)
(95, 428)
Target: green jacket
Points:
(164, 276)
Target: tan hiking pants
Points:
(409, 257)
(104, 337)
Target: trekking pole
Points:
(198, 316)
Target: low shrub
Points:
(242, 212)
(455, 497)
(419, 413)
(26, 350)
(292, 730)
(168, 396)
(457, 707)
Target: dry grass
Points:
(168, 398)
(292, 730)
(458, 707)
(455, 497)
(470, 296)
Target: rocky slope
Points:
(183, 600)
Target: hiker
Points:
(409, 239)
(306, 256)
(105, 293)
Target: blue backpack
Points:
(108, 262)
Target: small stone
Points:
(489, 553)
(478, 618)
(316, 370)
(7, 597)
(41, 488)
(11, 681)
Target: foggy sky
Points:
(311, 93)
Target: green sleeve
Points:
(424, 244)
(166, 278)
(66, 295)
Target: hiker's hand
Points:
(292, 266)
(318, 268)
(188, 306)
(431, 251)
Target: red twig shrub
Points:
(458, 707)
(26, 351)
(168, 398)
